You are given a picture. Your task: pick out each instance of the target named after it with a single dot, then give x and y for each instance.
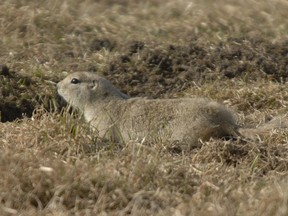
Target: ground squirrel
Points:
(118, 117)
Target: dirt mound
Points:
(142, 70)
(162, 72)
(20, 94)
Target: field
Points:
(234, 52)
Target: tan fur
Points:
(279, 122)
(116, 116)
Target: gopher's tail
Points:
(264, 129)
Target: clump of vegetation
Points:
(51, 163)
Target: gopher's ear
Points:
(94, 84)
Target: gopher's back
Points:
(184, 120)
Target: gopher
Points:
(116, 116)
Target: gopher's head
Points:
(82, 88)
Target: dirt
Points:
(234, 52)
(142, 70)
(20, 94)
(172, 69)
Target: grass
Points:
(51, 163)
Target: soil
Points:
(234, 52)
(164, 72)
(20, 94)
(142, 70)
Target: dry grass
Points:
(52, 164)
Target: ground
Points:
(234, 52)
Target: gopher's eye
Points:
(75, 81)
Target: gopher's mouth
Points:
(60, 100)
